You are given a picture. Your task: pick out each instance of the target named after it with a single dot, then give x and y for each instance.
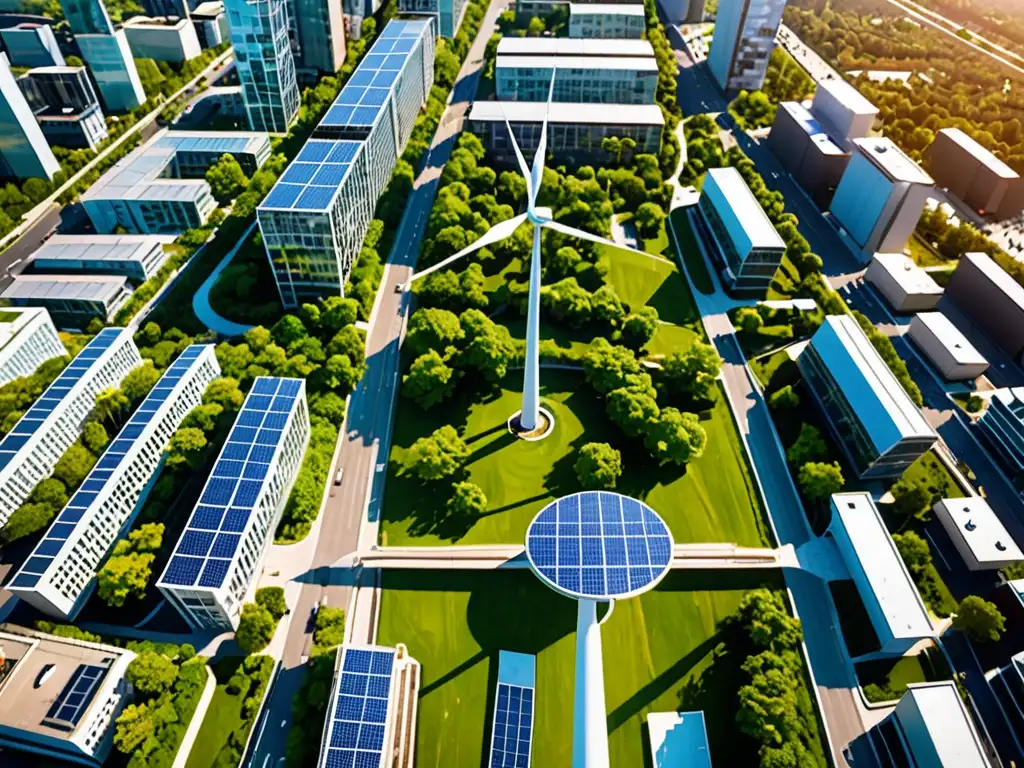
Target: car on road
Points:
(338, 475)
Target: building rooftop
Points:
(101, 247)
(577, 62)
(892, 586)
(606, 9)
(572, 46)
(561, 112)
(173, 22)
(911, 278)
(984, 156)
(208, 9)
(47, 683)
(67, 287)
(848, 95)
(877, 397)
(678, 739)
(54, 69)
(13, 321)
(748, 211)
(997, 276)
(891, 160)
(803, 117)
(979, 527)
(951, 338)
(949, 737)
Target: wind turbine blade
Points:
(495, 234)
(523, 167)
(542, 145)
(573, 232)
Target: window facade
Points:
(1002, 424)
(627, 85)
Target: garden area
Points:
(887, 679)
(697, 653)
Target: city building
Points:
(60, 574)
(59, 697)
(844, 113)
(137, 257)
(179, 8)
(447, 13)
(31, 45)
(319, 37)
(880, 198)
(991, 298)
(898, 615)
(372, 708)
(1002, 425)
(211, 23)
(28, 339)
(24, 152)
(220, 552)
(610, 80)
(740, 236)
(162, 39)
(546, 47)
(159, 188)
(743, 41)
(73, 301)
(264, 62)
(597, 20)
(575, 131)
(65, 105)
(527, 9)
(29, 452)
(907, 287)
(973, 174)
(677, 739)
(930, 726)
(315, 218)
(807, 152)
(106, 53)
(977, 533)
(946, 347)
(867, 410)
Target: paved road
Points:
(371, 412)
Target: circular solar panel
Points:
(599, 545)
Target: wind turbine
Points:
(541, 218)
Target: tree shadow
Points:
(669, 297)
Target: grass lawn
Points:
(223, 716)
(657, 282)
(765, 367)
(932, 471)
(696, 264)
(455, 624)
(923, 254)
(887, 679)
(710, 500)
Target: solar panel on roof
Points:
(359, 713)
(76, 696)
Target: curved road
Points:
(201, 301)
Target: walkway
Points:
(201, 301)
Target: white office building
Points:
(27, 340)
(60, 574)
(73, 301)
(30, 451)
(598, 20)
(906, 286)
(59, 697)
(977, 533)
(946, 347)
(743, 42)
(843, 111)
(137, 257)
(220, 553)
(162, 39)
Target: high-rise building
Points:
(222, 548)
(24, 152)
(315, 218)
(31, 45)
(880, 198)
(27, 340)
(211, 23)
(447, 13)
(60, 574)
(264, 62)
(743, 42)
(106, 52)
(318, 41)
(974, 175)
(30, 451)
(597, 20)
(65, 105)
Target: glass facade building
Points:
(315, 218)
(594, 20)
(743, 41)
(318, 37)
(1002, 425)
(24, 152)
(107, 54)
(65, 105)
(590, 79)
(448, 13)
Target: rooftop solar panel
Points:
(68, 708)
(357, 727)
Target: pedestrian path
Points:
(201, 301)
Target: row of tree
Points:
(785, 80)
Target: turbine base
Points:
(545, 425)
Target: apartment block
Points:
(318, 44)
(106, 53)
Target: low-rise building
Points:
(137, 257)
(211, 24)
(575, 131)
(73, 301)
(946, 347)
(991, 298)
(31, 45)
(843, 112)
(907, 287)
(977, 533)
(898, 615)
(600, 80)
(867, 410)
(59, 697)
(620, 21)
(28, 339)
(65, 105)
(807, 152)
(746, 247)
(1002, 425)
(973, 174)
(162, 39)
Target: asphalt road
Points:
(368, 425)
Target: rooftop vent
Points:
(1000, 546)
(45, 674)
(970, 526)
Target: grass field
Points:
(710, 500)
(887, 679)
(223, 716)
(696, 264)
(455, 624)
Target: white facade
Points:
(906, 286)
(59, 576)
(220, 553)
(843, 112)
(946, 347)
(31, 450)
(743, 41)
(977, 533)
(597, 20)
(60, 697)
(137, 257)
(27, 340)
(162, 39)
(937, 727)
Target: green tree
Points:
(134, 726)
(784, 399)
(111, 404)
(430, 380)
(148, 537)
(139, 381)
(338, 312)
(124, 576)
(203, 417)
(749, 320)
(639, 327)
(693, 372)
(26, 520)
(598, 466)
(439, 455)
(607, 367)
(535, 28)
(435, 329)
(676, 437)
(979, 619)
(152, 673)
(95, 437)
(632, 409)
(911, 498)
(257, 338)
(225, 393)
(489, 346)
(349, 341)
(226, 178)
(272, 598)
(808, 446)
(819, 480)
(51, 492)
(185, 448)
(468, 500)
(287, 330)
(73, 466)
(148, 335)
(649, 218)
(914, 550)
(255, 628)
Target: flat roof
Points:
(979, 527)
(566, 113)
(748, 210)
(908, 275)
(891, 160)
(209, 8)
(848, 95)
(948, 726)
(577, 62)
(52, 287)
(877, 397)
(606, 9)
(678, 739)
(892, 586)
(101, 247)
(942, 328)
(809, 124)
(989, 160)
(574, 46)
(998, 276)
(163, 22)
(54, 69)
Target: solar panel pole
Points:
(590, 718)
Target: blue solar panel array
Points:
(68, 708)
(599, 545)
(360, 712)
(205, 550)
(513, 725)
(312, 180)
(62, 528)
(33, 419)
